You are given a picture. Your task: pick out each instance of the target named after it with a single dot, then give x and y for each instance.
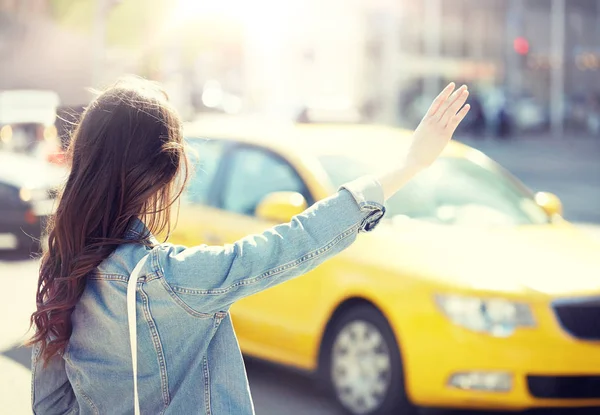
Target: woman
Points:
(128, 168)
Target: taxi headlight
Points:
(494, 316)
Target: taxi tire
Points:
(396, 401)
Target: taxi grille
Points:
(580, 318)
(564, 387)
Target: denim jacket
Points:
(189, 361)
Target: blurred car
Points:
(28, 189)
(473, 293)
(27, 124)
(527, 114)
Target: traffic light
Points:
(521, 45)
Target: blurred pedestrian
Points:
(476, 117)
(503, 129)
(593, 115)
(495, 109)
(104, 267)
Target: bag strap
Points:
(132, 319)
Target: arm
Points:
(51, 392)
(210, 279)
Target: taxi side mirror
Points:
(549, 202)
(281, 206)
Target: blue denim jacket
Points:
(189, 361)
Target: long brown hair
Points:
(126, 154)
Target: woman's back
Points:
(195, 354)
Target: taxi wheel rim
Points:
(361, 369)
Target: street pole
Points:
(597, 19)
(433, 23)
(98, 42)
(514, 29)
(558, 68)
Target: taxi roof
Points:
(351, 140)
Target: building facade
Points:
(547, 50)
(35, 53)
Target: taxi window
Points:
(253, 174)
(205, 157)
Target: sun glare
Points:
(241, 10)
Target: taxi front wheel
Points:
(361, 364)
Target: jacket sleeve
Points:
(51, 392)
(209, 279)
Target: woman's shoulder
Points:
(120, 264)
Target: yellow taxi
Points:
(473, 292)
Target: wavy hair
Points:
(127, 161)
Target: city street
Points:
(472, 291)
(569, 169)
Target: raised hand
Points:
(429, 139)
(437, 126)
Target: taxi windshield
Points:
(453, 191)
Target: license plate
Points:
(8, 241)
(44, 207)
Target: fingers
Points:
(440, 100)
(455, 105)
(457, 118)
(444, 107)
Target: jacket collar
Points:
(137, 230)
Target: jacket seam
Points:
(182, 303)
(156, 263)
(157, 347)
(85, 396)
(370, 206)
(114, 277)
(118, 277)
(33, 372)
(153, 261)
(206, 386)
(274, 271)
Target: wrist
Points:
(395, 179)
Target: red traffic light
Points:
(521, 46)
